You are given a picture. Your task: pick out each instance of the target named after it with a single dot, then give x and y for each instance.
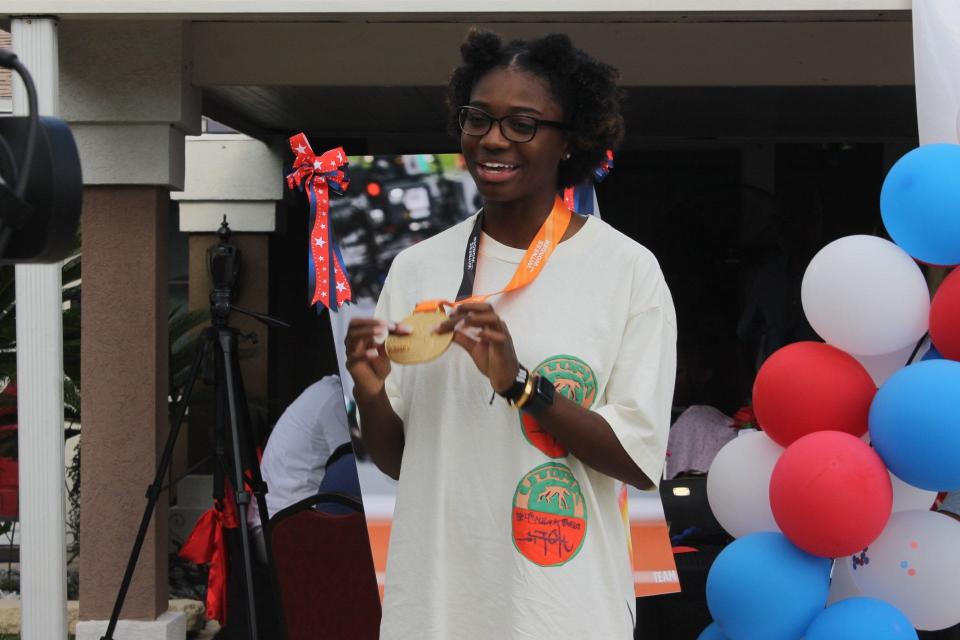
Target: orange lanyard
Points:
(536, 256)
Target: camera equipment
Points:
(41, 187)
(223, 261)
(234, 450)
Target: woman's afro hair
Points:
(585, 88)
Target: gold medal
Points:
(421, 345)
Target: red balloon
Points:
(810, 386)
(831, 494)
(945, 317)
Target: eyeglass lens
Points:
(514, 128)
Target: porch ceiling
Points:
(381, 86)
(412, 119)
(447, 10)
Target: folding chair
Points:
(324, 570)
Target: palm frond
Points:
(181, 322)
(71, 268)
(184, 339)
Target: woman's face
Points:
(531, 167)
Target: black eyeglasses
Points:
(515, 128)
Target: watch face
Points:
(545, 389)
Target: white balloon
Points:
(881, 367)
(907, 497)
(914, 565)
(865, 295)
(842, 585)
(738, 484)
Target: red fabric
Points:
(206, 544)
(744, 418)
(9, 487)
(682, 549)
(325, 573)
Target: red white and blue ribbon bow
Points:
(579, 199)
(319, 175)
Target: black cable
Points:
(33, 114)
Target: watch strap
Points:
(515, 390)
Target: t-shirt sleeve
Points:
(390, 307)
(331, 417)
(639, 394)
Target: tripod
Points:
(231, 411)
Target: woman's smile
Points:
(497, 171)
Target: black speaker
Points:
(43, 224)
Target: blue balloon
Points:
(713, 632)
(919, 204)
(761, 587)
(932, 354)
(915, 424)
(861, 619)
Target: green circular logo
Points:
(571, 377)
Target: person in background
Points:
(311, 435)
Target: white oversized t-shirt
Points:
(498, 533)
(295, 458)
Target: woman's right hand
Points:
(367, 359)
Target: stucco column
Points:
(40, 384)
(126, 92)
(124, 403)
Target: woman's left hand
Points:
(478, 329)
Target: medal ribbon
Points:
(319, 175)
(536, 256)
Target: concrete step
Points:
(192, 609)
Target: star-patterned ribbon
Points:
(318, 175)
(579, 199)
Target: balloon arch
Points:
(830, 504)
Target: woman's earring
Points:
(566, 156)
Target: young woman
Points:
(507, 523)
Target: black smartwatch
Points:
(515, 390)
(542, 396)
